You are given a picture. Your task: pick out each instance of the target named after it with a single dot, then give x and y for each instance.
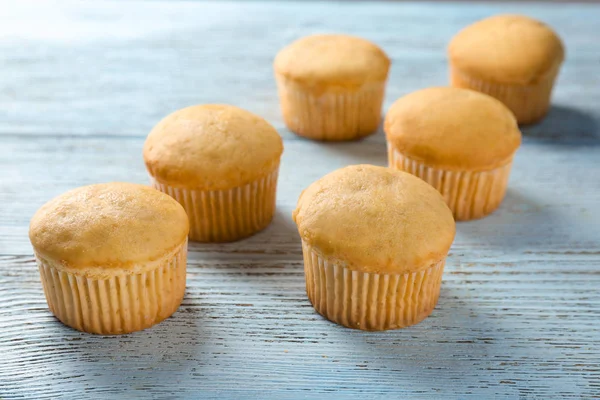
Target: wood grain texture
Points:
(82, 84)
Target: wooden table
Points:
(83, 83)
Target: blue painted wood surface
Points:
(83, 83)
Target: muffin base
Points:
(227, 215)
(124, 303)
(331, 115)
(370, 301)
(529, 103)
(469, 194)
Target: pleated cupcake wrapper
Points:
(331, 115)
(121, 304)
(370, 301)
(529, 103)
(469, 194)
(227, 215)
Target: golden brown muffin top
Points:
(211, 147)
(509, 49)
(108, 225)
(332, 61)
(453, 129)
(375, 219)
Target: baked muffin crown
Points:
(211, 147)
(330, 60)
(509, 49)
(110, 225)
(453, 129)
(375, 219)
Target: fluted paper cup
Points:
(529, 103)
(331, 115)
(469, 194)
(370, 301)
(115, 301)
(227, 215)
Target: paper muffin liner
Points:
(227, 215)
(332, 116)
(124, 303)
(469, 194)
(529, 103)
(370, 301)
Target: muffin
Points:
(513, 58)
(221, 164)
(460, 141)
(112, 257)
(331, 87)
(374, 241)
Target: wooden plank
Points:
(546, 209)
(518, 330)
(84, 82)
(118, 67)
